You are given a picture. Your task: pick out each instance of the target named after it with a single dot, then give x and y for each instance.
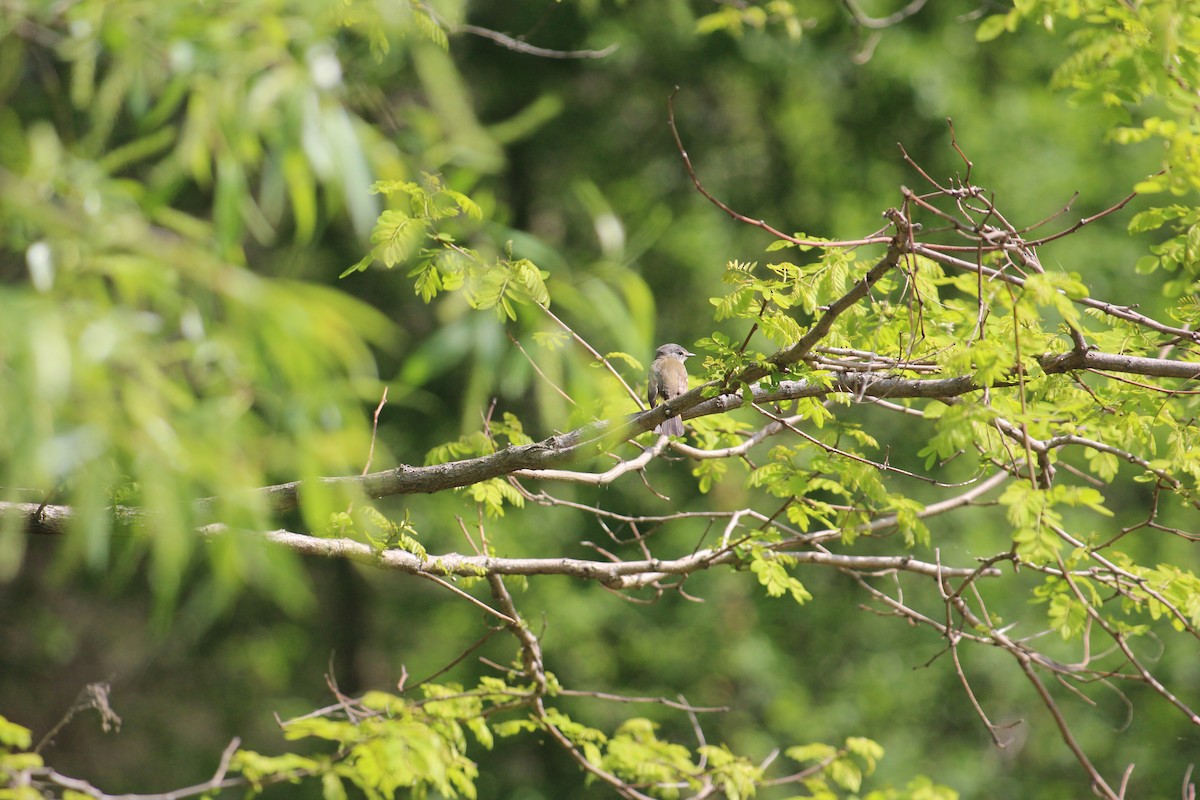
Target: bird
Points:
(668, 380)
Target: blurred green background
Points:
(573, 162)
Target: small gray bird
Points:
(668, 380)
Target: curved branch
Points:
(615, 575)
(882, 22)
(602, 478)
(518, 46)
(1119, 638)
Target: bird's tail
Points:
(671, 427)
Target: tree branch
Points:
(583, 442)
(615, 575)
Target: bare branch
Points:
(882, 22)
(620, 574)
(603, 478)
(217, 782)
(518, 46)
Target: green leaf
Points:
(396, 236)
(810, 752)
(332, 787)
(1067, 615)
(1149, 220)
(992, 27)
(633, 363)
(14, 736)
(302, 191)
(428, 281)
(257, 767)
(512, 727)
(1146, 265)
(554, 340)
(772, 573)
(870, 751)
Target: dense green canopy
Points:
(324, 329)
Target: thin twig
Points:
(518, 46)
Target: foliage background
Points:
(573, 163)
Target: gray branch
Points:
(613, 574)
